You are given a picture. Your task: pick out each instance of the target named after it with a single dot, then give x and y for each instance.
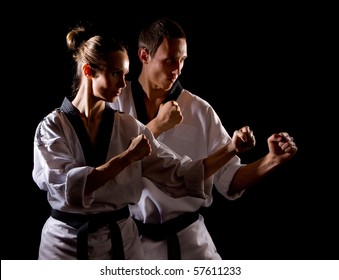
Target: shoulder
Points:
(54, 118)
(51, 126)
(188, 96)
(125, 119)
(197, 103)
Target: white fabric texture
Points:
(60, 169)
(200, 134)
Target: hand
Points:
(139, 147)
(282, 145)
(169, 115)
(243, 139)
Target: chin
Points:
(168, 86)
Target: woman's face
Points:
(108, 84)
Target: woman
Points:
(90, 159)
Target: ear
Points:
(143, 55)
(87, 70)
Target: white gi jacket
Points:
(63, 157)
(200, 134)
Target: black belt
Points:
(168, 231)
(87, 223)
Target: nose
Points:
(177, 68)
(122, 82)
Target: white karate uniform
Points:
(61, 168)
(200, 134)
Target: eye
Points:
(116, 74)
(169, 61)
(173, 61)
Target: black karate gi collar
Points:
(138, 97)
(94, 154)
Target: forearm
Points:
(103, 173)
(218, 159)
(155, 128)
(250, 174)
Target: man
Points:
(172, 228)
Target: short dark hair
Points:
(152, 35)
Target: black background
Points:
(257, 66)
